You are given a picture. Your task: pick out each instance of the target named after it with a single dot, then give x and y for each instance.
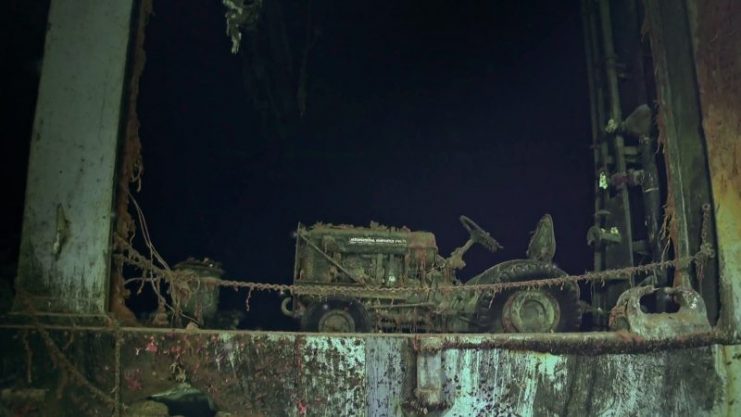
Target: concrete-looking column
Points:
(65, 247)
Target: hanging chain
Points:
(134, 258)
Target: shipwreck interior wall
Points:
(250, 374)
(56, 361)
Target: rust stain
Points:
(670, 225)
(718, 63)
(130, 167)
(719, 77)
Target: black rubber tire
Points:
(487, 316)
(314, 313)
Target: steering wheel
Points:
(480, 235)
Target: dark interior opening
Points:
(416, 113)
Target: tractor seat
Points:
(542, 246)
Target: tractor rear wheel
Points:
(526, 310)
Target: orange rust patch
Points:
(719, 79)
(130, 168)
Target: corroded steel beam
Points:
(716, 42)
(680, 128)
(682, 137)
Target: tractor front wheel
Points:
(336, 316)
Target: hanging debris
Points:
(240, 16)
(201, 299)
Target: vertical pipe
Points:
(597, 103)
(616, 115)
(588, 36)
(651, 197)
(596, 99)
(610, 60)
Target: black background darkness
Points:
(418, 111)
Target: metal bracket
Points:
(597, 236)
(429, 393)
(690, 318)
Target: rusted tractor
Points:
(377, 278)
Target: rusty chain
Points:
(60, 360)
(117, 370)
(134, 258)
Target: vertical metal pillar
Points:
(716, 43)
(612, 233)
(596, 115)
(684, 142)
(65, 247)
(618, 206)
